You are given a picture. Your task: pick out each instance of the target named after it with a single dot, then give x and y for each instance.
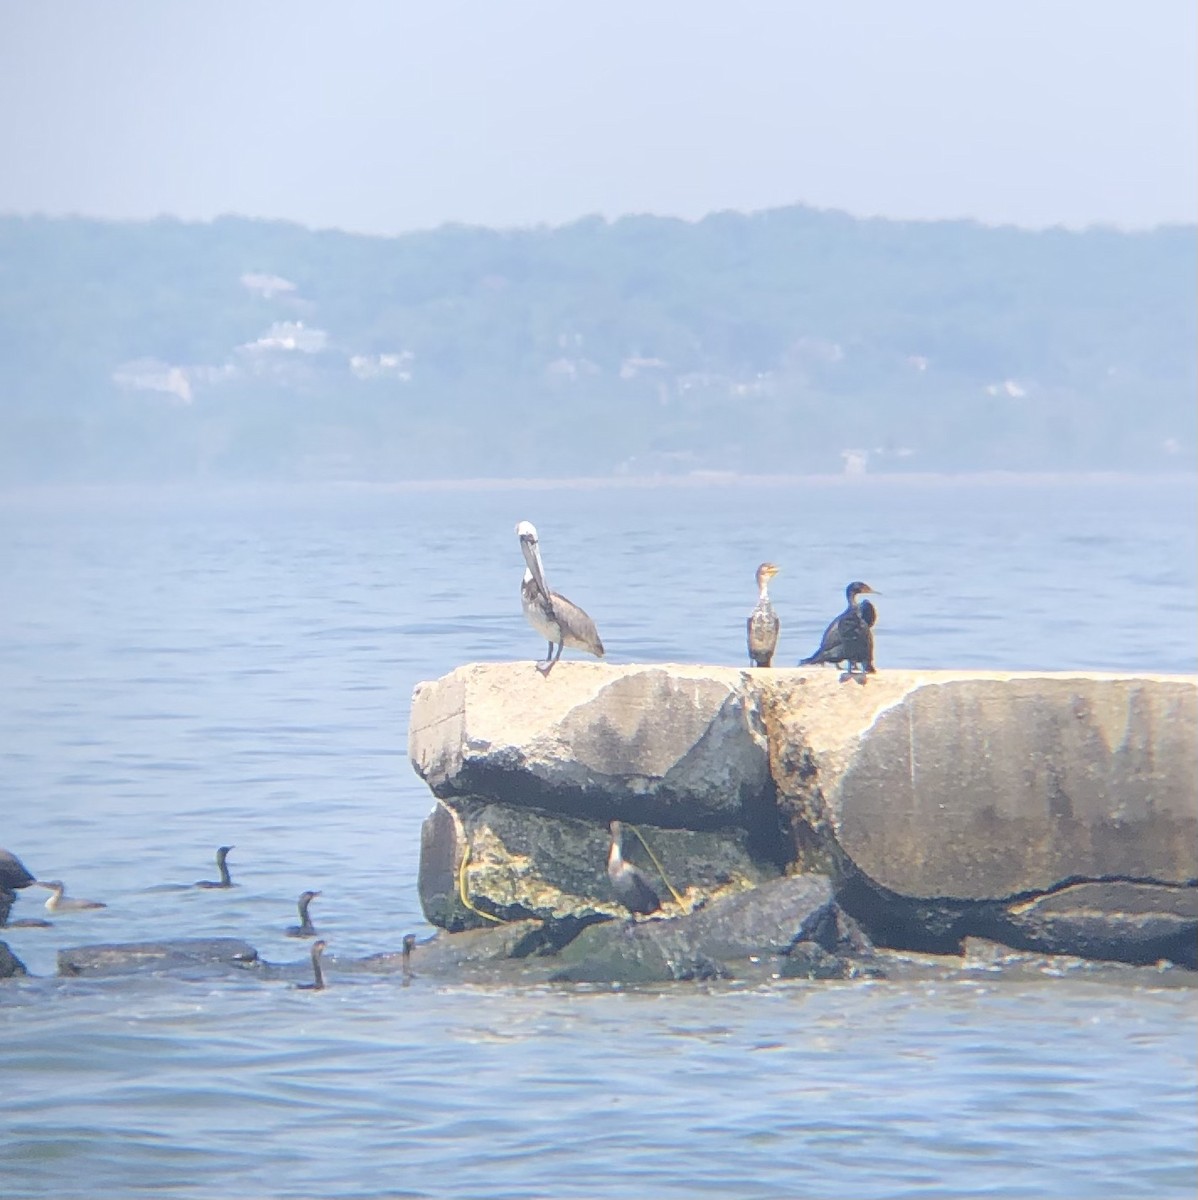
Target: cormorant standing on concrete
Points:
(763, 623)
(850, 637)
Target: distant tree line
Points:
(790, 341)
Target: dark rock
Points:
(455, 953)
(758, 923)
(809, 960)
(521, 862)
(1126, 922)
(182, 955)
(10, 964)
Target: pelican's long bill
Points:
(531, 549)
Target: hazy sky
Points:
(384, 116)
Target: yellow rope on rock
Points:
(660, 869)
(462, 889)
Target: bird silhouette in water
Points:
(850, 638)
(305, 928)
(222, 865)
(317, 984)
(628, 883)
(554, 617)
(58, 903)
(763, 624)
(409, 944)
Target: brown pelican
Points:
(631, 887)
(317, 984)
(223, 867)
(763, 623)
(850, 637)
(60, 903)
(305, 928)
(550, 613)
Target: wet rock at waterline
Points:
(178, 956)
(10, 964)
(762, 922)
(514, 862)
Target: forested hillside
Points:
(785, 341)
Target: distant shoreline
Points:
(706, 480)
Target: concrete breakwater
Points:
(800, 808)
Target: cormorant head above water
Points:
(763, 624)
(60, 903)
(222, 866)
(317, 984)
(629, 884)
(558, 620)
(305, 928)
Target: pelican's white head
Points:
(526, 531)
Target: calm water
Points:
(182, 672)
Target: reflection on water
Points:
(181, 674)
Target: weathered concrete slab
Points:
(178, 955)
(671, 745)
(986, 785)
(515, 863)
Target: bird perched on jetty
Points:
(13, 877)
(59, 903)
(317, 984)
(550, 613)
(629, 884)
(305, 928)
(850, 637)
(222, 865)
(763, 623)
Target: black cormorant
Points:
(850, 637)
(553, 616)
(763, 623)
(317, 984)
(629, 884)
(222, 866)
(305, 928)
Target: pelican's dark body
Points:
(628, 884)
(849, 638)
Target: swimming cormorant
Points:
(629, 884)
(409, 944)
(554, 617)
(60, 903)
(305, 928)
(317, 984)
(763, 623)
(223, 867)
(850, 637)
